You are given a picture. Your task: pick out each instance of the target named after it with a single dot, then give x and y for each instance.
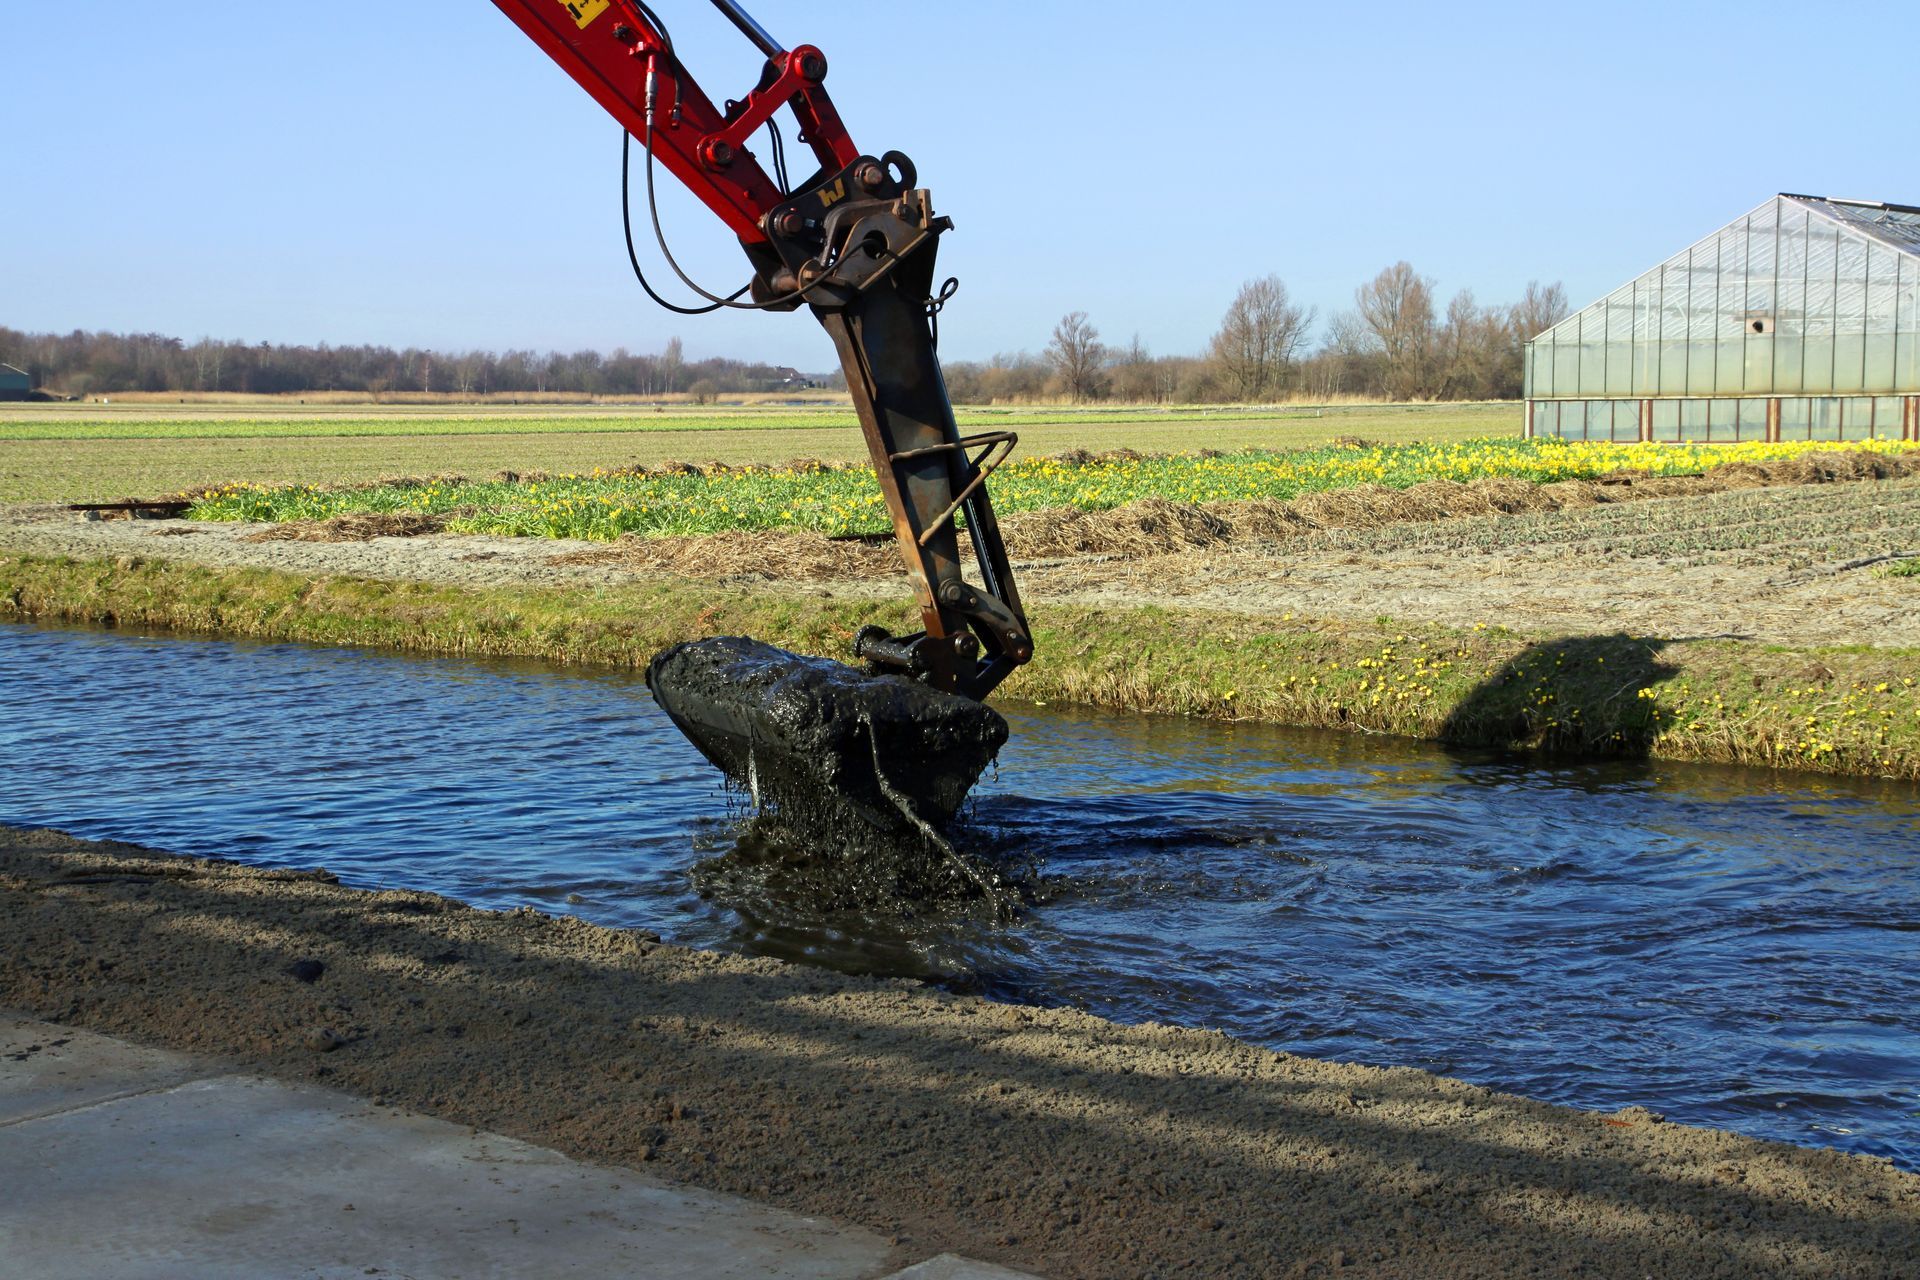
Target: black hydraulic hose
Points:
(626, 223)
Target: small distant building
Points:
(1799, 321)
(14, 383)
(790, 380)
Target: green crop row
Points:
(845, 500)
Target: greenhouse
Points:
(1799, 321)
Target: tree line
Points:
(83, 364)
(1394, 344)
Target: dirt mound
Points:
(809, 557)
(1139, 528)
(358, 527)
(1826, 468)
(1106, 457)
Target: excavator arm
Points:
(855, 242)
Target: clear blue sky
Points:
(421, 174)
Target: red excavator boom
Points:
(856, 243)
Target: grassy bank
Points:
(1838, 710)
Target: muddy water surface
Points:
(1736, 948)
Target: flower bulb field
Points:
(838, 500)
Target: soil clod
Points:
(306, 970)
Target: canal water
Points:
(1729, 947)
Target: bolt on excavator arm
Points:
(856, 243)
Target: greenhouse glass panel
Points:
(1599, 419)
(1566, 366)
(1618, 362)
(1626, 421)
(1730, 312)
(1856, 419)
(1823, 419)
(1887, 417)
(1666, 420)
(1694, 423)
(1796, 422)
(1906, 342)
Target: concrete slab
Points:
(235, 1178)
(45, 1069)
(950, 1266)
(124, 1163)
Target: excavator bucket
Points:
(824, 744)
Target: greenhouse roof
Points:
(1895, 225)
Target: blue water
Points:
(1729, 947)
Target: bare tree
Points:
(1539, 309)
(1076, 354)
(1259, 339)
(1397, 306)
(1136, 376)
(672, 361)
(1477, 351)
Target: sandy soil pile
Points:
(1041, 1138)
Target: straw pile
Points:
(357, 527)
(777, 554)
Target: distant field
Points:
(74, 453)
(1426, 423)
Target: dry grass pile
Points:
(1147, 527)
(810, 557)
(443, 480)
(359, 527)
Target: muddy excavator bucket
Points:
(824, 744)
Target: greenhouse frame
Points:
(1799, 321)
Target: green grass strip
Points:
(1835, 710)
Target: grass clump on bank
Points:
(1833, 710)
(683, 500)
